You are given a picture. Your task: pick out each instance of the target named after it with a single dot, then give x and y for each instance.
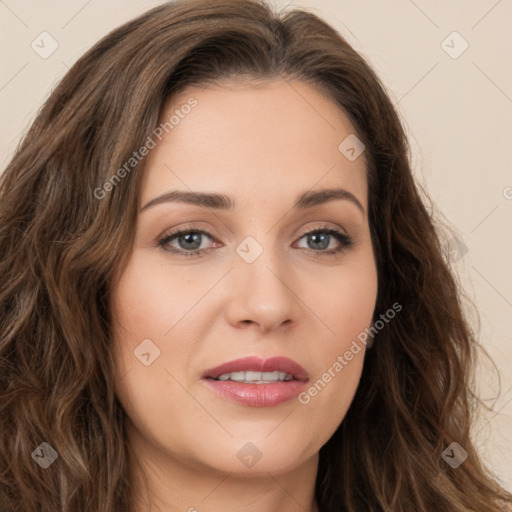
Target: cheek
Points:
(138, 325)
(150, 299)
(151, 307)
(142, 304)
(346, 308)
(345, 303)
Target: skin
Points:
(262, 146)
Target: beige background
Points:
(458, 113)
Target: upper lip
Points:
(257, 364)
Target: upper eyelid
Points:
(187, 229)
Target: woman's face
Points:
(260, 286)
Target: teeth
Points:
(250, 377)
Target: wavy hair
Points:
(61, 246)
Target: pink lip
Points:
(258, 395)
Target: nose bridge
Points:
(262, 292)
(261, 261)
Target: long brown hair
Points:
(61, 244)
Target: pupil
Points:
(325, 240)
(188, 239)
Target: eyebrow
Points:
(222, 202)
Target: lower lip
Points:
(257, 395)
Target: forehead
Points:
(258, 139)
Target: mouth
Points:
(256, 370)
(256, 382)
(251, 377)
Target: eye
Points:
(321, 238)
(188, 241)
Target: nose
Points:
(263, 294)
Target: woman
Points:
(140, 372)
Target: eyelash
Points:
(345, 240)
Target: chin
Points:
(257, 456)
